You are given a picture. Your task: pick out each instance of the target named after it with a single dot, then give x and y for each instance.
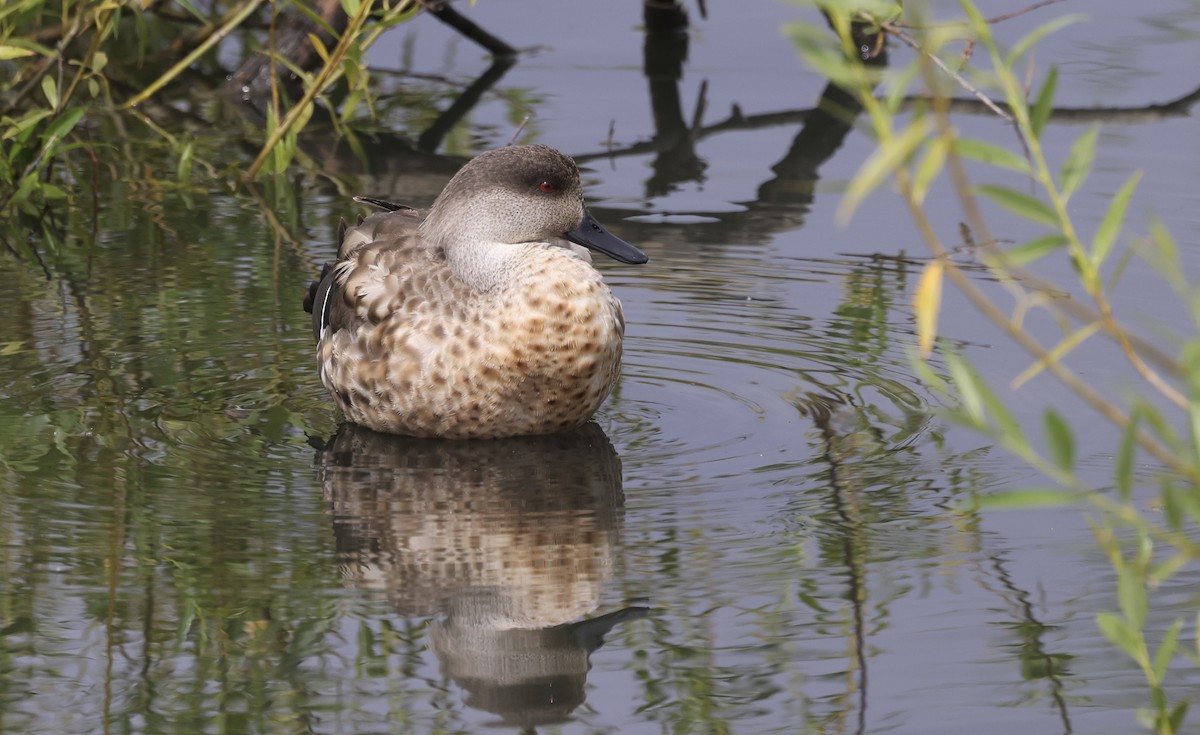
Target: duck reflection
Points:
(508, 541)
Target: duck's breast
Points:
(420, 353)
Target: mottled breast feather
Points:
(410, 349)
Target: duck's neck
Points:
(486, 266)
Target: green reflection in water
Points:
(166, 563)
(171, 563)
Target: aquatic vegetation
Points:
(918, 142)
(70, 70)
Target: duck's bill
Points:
(594, 236)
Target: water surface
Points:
(763, 530)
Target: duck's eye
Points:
(547, 187)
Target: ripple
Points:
(732, 358)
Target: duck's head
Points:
(519, 194)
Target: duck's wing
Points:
(316, 300)
(385, 269)
(383, 204)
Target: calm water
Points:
(762, 531)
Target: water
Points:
(763, 531)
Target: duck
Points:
(481, 317)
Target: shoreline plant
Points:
(917, 144)
(66, 67)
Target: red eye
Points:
(546, 187)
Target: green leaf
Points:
(1166, 650)
(1164, 571)
(898, 83)
(1028, 498)
(64, 124)
(1194, 419)
(1131, 597)
(1078, 165)
(1172, 506)
(1125, 457)
(930, 166)
(1190, 502)
(13, 52)
(1040, 112)
(967, 386)
(184, 169)
(50, 89)
(850, 8)
(1175, 719)
(319, 46)
(1011, 431)
(825, 55)
(1158, 698)
(1119, 634)
(1036, 248)
(188, 6)
(1060, 440)
(1020, 204)
(27, 185)
(886, 158)
(1106, 234)
(52, 192)
(991, 154)
(303, 117)
(1030, 39)
(16, 127)
(928, 376)
(16, 47)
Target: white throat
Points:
(486, 266)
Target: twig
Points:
(989, 21)
(234, 20)
(1022, 11)
(963, 189)
(332, 67)
(896, 31)
(962, 82)
(520, 127)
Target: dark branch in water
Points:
(737, 120)
(433, 135)
(451, 17)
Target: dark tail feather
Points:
(311, 297)
(382, 204)
(316, 301)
